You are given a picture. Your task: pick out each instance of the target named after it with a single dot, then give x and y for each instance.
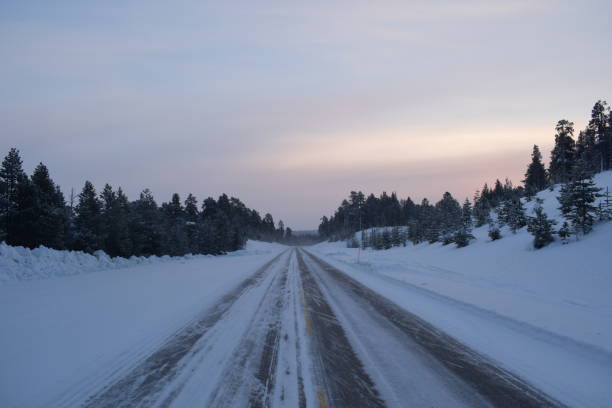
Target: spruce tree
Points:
(541, 228)
(598, 126)
(49, 210)
(586, 151)
(191, 220)
(577, 200)
(535, 177)
(512, 214)
(11, 175)
(88, 221)
(386, 239)
(463, 236)
(145, 225)
(395, 237)
(482, 208)
(115, 222)
(563, 155)
(449, 212)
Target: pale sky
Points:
(290, 105)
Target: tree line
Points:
(572, 162)
(34, 212)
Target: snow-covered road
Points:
(274, 326)
(294, 332)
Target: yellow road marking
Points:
(322, 399)
(306, 317)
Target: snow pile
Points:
(19, 263)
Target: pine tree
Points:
(577, 200)
(11, 175)
(466, 214)
(49, 211)
(115, 222)
(449, 212)
(586, 151)
(463, 236)
(88, 221)
(386, 239)
(535, 177)
(145, 225)
(512, 214)
(175, 236)
(563, 155)
(191, 222)
(482, 208)
(395, 237)
(541, 228)
(598, 126)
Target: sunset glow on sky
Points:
(289, 106)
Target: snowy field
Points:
(64, 331)
(546, 314)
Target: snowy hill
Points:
(545, 314)
(563, 289)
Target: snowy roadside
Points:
(573, 371)
(63, 331)
(546, 314)
(19, 263)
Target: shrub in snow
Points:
(541, 228)
(462, 238)
(564, 232)
(494, 232)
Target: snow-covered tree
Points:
(88, 221)
(535, 176)
(577, 200)
(541, 228)
(563, 155)
(512, 214)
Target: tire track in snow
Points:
(148, 378)
(343, 381)
(250, 374)
(499, 386)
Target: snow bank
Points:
(21, 264)
(62, 337)
(563, 289)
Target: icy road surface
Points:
(298, 332)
